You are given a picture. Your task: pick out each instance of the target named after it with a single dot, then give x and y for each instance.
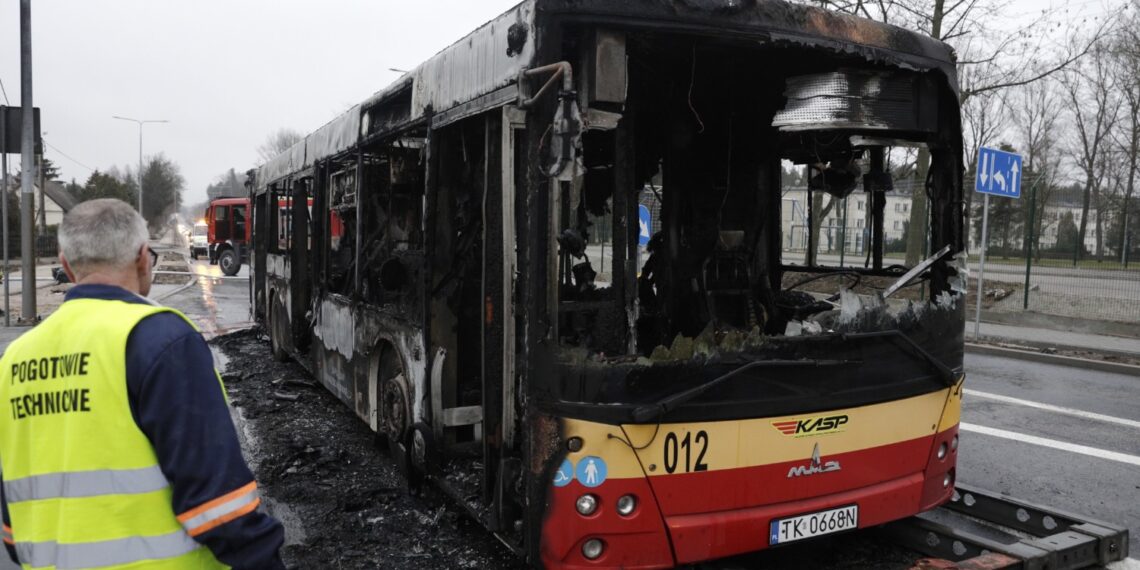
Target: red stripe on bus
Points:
(728, 489)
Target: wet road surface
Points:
(219, 304)
(1054, 435)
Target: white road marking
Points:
(1057, 409)
(1126, 564)
(1045, 442)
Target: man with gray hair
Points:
(116, 444)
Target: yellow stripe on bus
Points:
(701, 446)
(953, 412)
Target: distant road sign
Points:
(645, 223)
(999, 173)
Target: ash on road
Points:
(342, 500)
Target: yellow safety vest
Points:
(82, 481)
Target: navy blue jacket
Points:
(175, 400)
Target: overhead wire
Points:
(65, 155)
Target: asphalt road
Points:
(1054, 435)
(219, 304)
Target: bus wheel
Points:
(276, 323)
(229, 263)
(396, 406)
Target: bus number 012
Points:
(674, 447)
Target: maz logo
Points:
(816, 466)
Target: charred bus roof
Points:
(481, 70)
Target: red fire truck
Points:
(228, 233)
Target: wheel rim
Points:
(395, 403)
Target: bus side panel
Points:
(336, 329)
(351, 344)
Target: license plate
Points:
(792, 529)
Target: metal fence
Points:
(1090, 289)
(1051, 278)
(1097, 277)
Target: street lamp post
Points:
(140, 123)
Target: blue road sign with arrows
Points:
(999, 173)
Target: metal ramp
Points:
(979, 529)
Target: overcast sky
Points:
(225, 73)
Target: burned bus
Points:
(560, 287)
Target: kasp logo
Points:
(812, 426)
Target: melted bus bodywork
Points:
(477, 279)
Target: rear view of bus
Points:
(748, 251)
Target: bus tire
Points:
(228, 261)
(276, 323)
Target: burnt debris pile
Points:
(341, 498)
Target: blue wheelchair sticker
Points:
(565, 474)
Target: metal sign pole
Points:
(1030, 238)
(27, 151)
(982, 267)
(4, 207)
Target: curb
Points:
(1032, 345)
(169, 294)
(1031, 356)
(1033, 319)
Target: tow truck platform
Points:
(980, 530)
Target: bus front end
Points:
(657, 496)
(746, 280)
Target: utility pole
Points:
(140, 123)
(41, 214)
(27, 152)
(4, 208)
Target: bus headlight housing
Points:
(586, 505)
(593, 548)
(942, 451)
(626, 505)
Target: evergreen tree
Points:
(1068, 236)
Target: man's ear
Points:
(67, 268)
(142, 260)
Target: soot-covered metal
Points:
(576, 213)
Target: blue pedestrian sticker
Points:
(565, 474)
(591, 471)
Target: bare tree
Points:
(819, 212)
(984, 118)
(1036, 123)
(1126, 49)
(1090, 92)
(277, 143)
(992, 59)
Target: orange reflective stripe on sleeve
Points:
(8, 535)
(221, 510)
